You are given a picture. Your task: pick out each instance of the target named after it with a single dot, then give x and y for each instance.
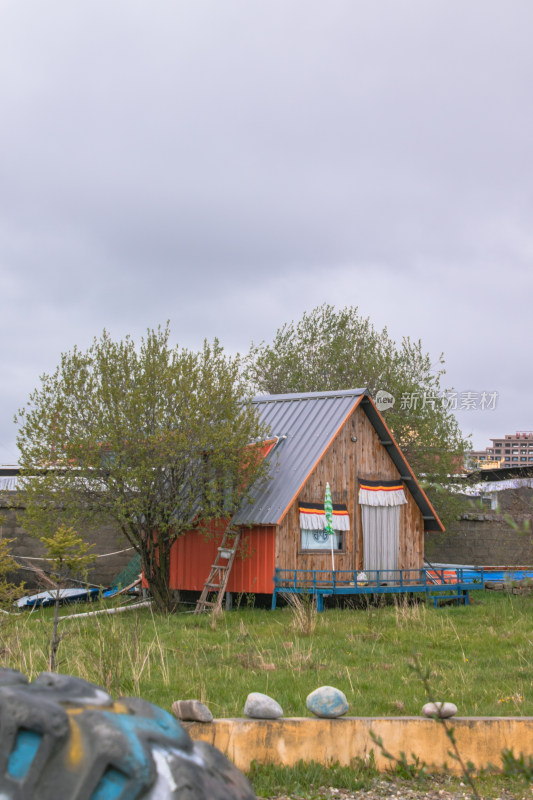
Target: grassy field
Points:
(480, 658)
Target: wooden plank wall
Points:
(341, 465)
(374, 463)
(338, 467)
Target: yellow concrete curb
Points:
(286, 741)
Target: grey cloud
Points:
(179, 159)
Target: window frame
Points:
(303, 551)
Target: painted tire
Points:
(62, 737)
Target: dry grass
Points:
(304, 612)
(408, 611)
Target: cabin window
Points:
(312, 524)
(319, 540)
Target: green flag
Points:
(328, 510)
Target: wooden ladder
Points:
(218, 577)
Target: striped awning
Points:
(381, 493)
(313, 517)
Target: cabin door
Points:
(381, 538)
(381, 503)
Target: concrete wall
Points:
(286, 741)
(107, 539)
(484, 536)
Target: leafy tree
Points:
(333, 350)
(155, 438)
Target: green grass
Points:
(311, 781)
(307, 779)
(481, 657)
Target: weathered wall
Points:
(480, 740)
(107, 539)
(484, 537)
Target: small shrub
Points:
(517, 766)
(8, 591)
(68, 553)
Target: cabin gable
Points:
(343, 463)
(375, 463)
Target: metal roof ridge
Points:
(293, 396)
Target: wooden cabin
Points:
(380, 510)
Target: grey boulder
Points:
(191, 711)
(261, 706)
(439, 709)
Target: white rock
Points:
(261, 706)
(439, 709)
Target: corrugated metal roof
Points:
(306, 423)
(9, 483)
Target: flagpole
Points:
(328, 511)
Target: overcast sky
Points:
(229, 164)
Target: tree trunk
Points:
(55, 639)
(156, 568)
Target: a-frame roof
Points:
(305, 425)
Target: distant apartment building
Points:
(513, 450)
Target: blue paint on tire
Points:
(22, 755)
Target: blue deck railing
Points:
(436, 583)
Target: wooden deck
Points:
(439, 585)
